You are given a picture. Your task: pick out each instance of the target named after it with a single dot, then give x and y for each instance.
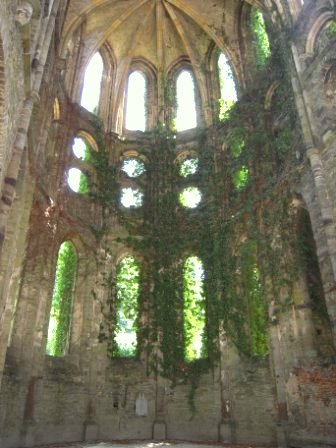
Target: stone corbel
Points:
(24, 12)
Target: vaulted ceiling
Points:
(160, 31)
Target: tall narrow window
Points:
(193, 309)
(127, 307)
(255, 301)
(61, 305)
(136, 116)
(92, 83)
(260, 38)
(186, 116)
(227, 86)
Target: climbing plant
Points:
(60, 314)
(260, 40)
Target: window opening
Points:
(255, 299)
(186, 117)
(133, 167)
(81, 149)
(61, 305)
(227, 87)
(194, 309)
(92, 84)
(241, 178)
(78, 181)
(136, 102)
(131, 197)
(260, 39)
(128, 288)
(189, 167)
(190, 197)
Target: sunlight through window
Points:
(127, 282)
(92, 83)
(227, 86)
(186, 117)
(133, 167)
(194, 309)
(190, 197)
(131, 197)
(79, 148)
(136, 102)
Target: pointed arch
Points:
(91, 89)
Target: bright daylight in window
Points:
(131, 197)
(186, 117)
(92, 82)
(136, 104)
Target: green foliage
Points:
(60, 314)
(240, 178)
(127, 307)
(225, 107)
(193, 309)
(189, 167)
(260, 39)
(331, 30)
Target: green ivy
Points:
(60, 314)
(260, 39)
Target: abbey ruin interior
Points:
(167, 221)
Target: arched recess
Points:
(249, 42)
(105, 110)
(315, 30)
(311, 288)
(62, 300)
(149, 73)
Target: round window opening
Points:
(77, 181)
(189, 167)
(133, 167)
(190, 197)
(131, 197)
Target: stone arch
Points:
(148, 70)
(315, 29)
(173, 72)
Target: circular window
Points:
(189, 167)
(190, 197)
(77, 181)
(131, 197)
(80, 149)
(133, 167)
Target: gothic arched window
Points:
(92, 84)
(127, 307)
(136, 107)
(193, 309)
(186, 115)
(62, 298)
(227, 86)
